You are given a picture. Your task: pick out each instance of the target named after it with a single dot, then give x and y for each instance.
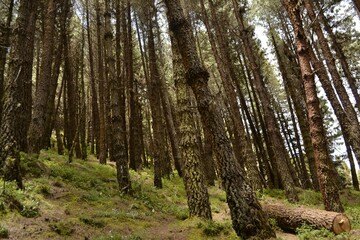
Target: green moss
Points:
(4, 232)
(63, 228)
(93, 222)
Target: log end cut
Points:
(341, 224)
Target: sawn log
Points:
(290, 218)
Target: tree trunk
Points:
(156, 108)
(37, 126)
(95, 119)
(246, 155)
(353, 123)
(277, 148)
(357, 6)
(196, 191)
(15, 116)
(101, 81)
(119, 153)
(131, 91)
(301, 114)
(326, 171)
(247, 216)
(289, 218)
(341, 56)
(5, 30)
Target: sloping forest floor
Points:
(80, 200)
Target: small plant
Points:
(211, 228)
(62, 228)
(30, 211)
(306, 232)
(92, 222)
(4, 232)
(274, 225)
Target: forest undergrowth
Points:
(80, 200)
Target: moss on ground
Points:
(81, 200)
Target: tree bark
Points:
(246, 155)
(353, 123)
(155, 105)
(194, 180)
(119, 153)
(95, 119)
(247, 216)
(326, 171)
(289, 218)
(5, 30)
(277, 148)
(37, 126)
(101, 82)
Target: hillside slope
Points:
(80, 200)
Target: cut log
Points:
(289, 218)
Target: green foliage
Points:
(306, 232)
(354, 214)
(213, 229)
(24, 201)
(92, 222)
(30, 210)
(274, 225)
(4, 232)
(94, 177)
(310, 197)
(274, 193)
(63, 228)
(32, 166)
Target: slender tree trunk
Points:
(337, 80)
(341, 56)
(72, 103)
(94, 97)
(156, 108)
(135, 124)
(37, 126)
(82, 102)
(326, 170)
(101, 81)
(249, 221)
(119, 153)
(277, 148)
(354, 178)
(5, 30)
(291, 94)
(244, 151)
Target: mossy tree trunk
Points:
(248, 219)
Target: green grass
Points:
(73, 200)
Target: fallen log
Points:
(290, 218)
